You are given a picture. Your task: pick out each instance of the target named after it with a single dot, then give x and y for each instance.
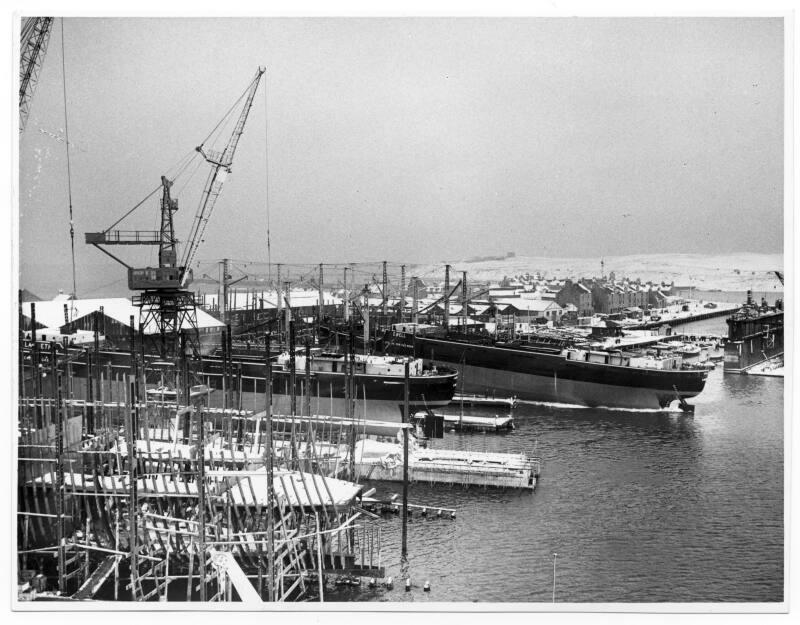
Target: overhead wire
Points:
(266, 181)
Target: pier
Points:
(678, 317)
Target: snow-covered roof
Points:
(298, 298)
(51, 313)
(531, 305)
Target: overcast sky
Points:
(411, 140)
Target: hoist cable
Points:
(69, 172)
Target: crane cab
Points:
(155, 278)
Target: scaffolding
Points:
(127, 492)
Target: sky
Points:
(409, 139)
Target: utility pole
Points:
(268, 465)
(402, 291)
(385, 294)
(366, 319)
(58, 413)
(293, 396)
(464, 299)
(307, 398)
(414, 281)
(225, 278)
(288, 289)
(406, 421)
(447, 298)
(349, 393)
(279, 292)
(320, 298)
(346, 298)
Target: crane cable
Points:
(266, 181)
(69, 172)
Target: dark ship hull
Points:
(379, 397)
(544, 375)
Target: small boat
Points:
(463, 422)
(484, 400)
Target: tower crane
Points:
(166, 306)
(33, 45)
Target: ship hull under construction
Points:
(550, 377)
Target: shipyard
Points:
(255, 365)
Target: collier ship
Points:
(635, 374)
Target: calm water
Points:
(639, 506)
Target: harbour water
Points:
(640, 506)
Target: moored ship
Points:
(560, 371)
(378, 381)
(379, 384)
(755, 336)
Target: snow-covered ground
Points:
(732, 272)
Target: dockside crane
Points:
(34, 38)
(166, 306)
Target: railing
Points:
(125, 237)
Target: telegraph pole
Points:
(383, 303)
(464, 298)
(346, 301)
(278, 292)
(320, 297)
(366, 319)
(224, 304)
(402, 291)
(288, 289)
(447, 298)
(414, 300)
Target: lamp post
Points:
(555, 555)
